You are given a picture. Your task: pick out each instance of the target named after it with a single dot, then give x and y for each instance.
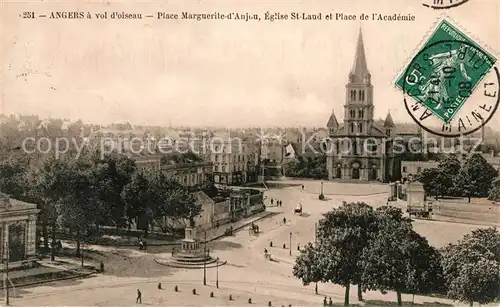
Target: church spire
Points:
(359, 72)
(332, 122)
(389, 123)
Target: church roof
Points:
(388, 121)
(360, 67)
(332, 122)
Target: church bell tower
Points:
(358, 116)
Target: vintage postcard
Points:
(240, 153)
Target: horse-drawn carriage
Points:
(298, 210)
(253, 229)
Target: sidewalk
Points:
(49, 271)
(217, 233)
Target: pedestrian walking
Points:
(139, 297)
(325, 303)
(284, 220)
(302, 187)
(272, 201)
(330, 302)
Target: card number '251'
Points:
(28, 15)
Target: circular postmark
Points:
(443, 4)
(451, 88)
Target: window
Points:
(353, 95)
(338, 147)
(352, 113)
(362, 95)
(351, 125)
(354, 147)
(404, 169)
(361, 113)
(360, 128)
(388, 132)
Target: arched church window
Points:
(353, 94)
(352, 113)
(362, 95)
(361, 113)
(354, 147)
(360, 128)
(351, 127)
(388, 132)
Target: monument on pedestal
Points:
(192, 254)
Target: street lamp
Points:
(217, 273)
(6, 266)
(205, 260)
(290, 243)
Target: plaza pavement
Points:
(247, 274)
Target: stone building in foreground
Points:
(17, 232)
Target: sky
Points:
(217, 72)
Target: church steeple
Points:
(389, 123)
(332, 124)
(359, 109)
(359, 72)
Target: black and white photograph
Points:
(250, 153)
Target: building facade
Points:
(189, 174)
(234, 159)
(17, 232)
(360, 149)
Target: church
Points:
(361, 148)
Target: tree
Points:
(76, 207)
(495, 191)
(137, 198)
(12, 180)
(476, 177)
(449, 169)
(343, 234)
(428, 177)
(110, 175)
(450, 166)
(397, 258)
(49, 187)
(308, 167)
(472, 267)
(309, 266)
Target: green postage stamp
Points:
(445, 71)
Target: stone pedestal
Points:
(189, 243)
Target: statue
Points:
(191, 218)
